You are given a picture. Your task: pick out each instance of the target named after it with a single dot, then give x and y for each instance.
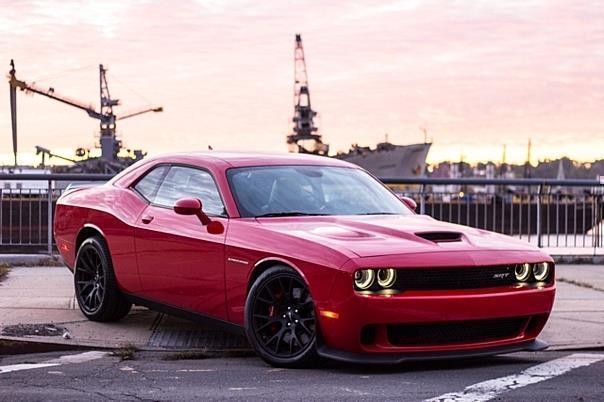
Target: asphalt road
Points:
(543, 376)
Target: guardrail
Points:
(562, 214)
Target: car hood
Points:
(375, 235)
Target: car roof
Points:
(242, 159)
(225, 160)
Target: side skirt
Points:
(187, 315)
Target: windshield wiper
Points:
(290, 213)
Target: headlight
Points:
(386, 277)
(541, 271)
(523, 272)
(363, 279)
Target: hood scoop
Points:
(440, 237)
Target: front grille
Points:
(455, 332)
(454, 278)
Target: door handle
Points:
(147, 218)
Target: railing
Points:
(565, 215)
(562, 215)
(27, 204)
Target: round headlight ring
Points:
(386, 277)
(522, 272)
(541, 271)
(363, 278)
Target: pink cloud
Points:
(477, 73)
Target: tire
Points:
(95, 285)
(280, 321)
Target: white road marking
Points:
(355, 391)
(80, 357)
(67, 359)
(487, 390)
(26, 366)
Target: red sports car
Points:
(309, 256)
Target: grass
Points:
(4, 268)
(127, 352)
(189, 355)
(50, 262)
(205, 354)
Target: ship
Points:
(390, 160)
(386, 160)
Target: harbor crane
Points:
(47, 152)
(304, 138)
(109, 143)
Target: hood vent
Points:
(440, 237)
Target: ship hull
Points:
(395, 161)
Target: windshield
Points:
(310, 190)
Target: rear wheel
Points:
(280, 319)
(96, 288)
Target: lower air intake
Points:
(455, 332)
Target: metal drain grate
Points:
(174, 333)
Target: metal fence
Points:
(564, 216)
(27, 204)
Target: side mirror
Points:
(187, 206)
(410, 202)
(192, 206)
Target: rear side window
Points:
(186, 182)
(149, 184)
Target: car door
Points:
(179, 262)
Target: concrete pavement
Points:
(577, 320)
(44, 295)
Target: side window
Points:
(148, 185)
(185, 182)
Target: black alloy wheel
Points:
(90, 280)
(96, 288)
(280, 319)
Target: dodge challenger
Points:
(309, 257)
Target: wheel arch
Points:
(88, 230)
(269, 262)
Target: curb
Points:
(19, 346)
(579, 259)
(10, 345)
(587, 346)
(31, 260)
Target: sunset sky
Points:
(476, 73)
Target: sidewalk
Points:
(44, 295)
(577, 320)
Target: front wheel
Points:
(280, 319)
(96, 288)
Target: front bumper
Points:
(343, 331)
